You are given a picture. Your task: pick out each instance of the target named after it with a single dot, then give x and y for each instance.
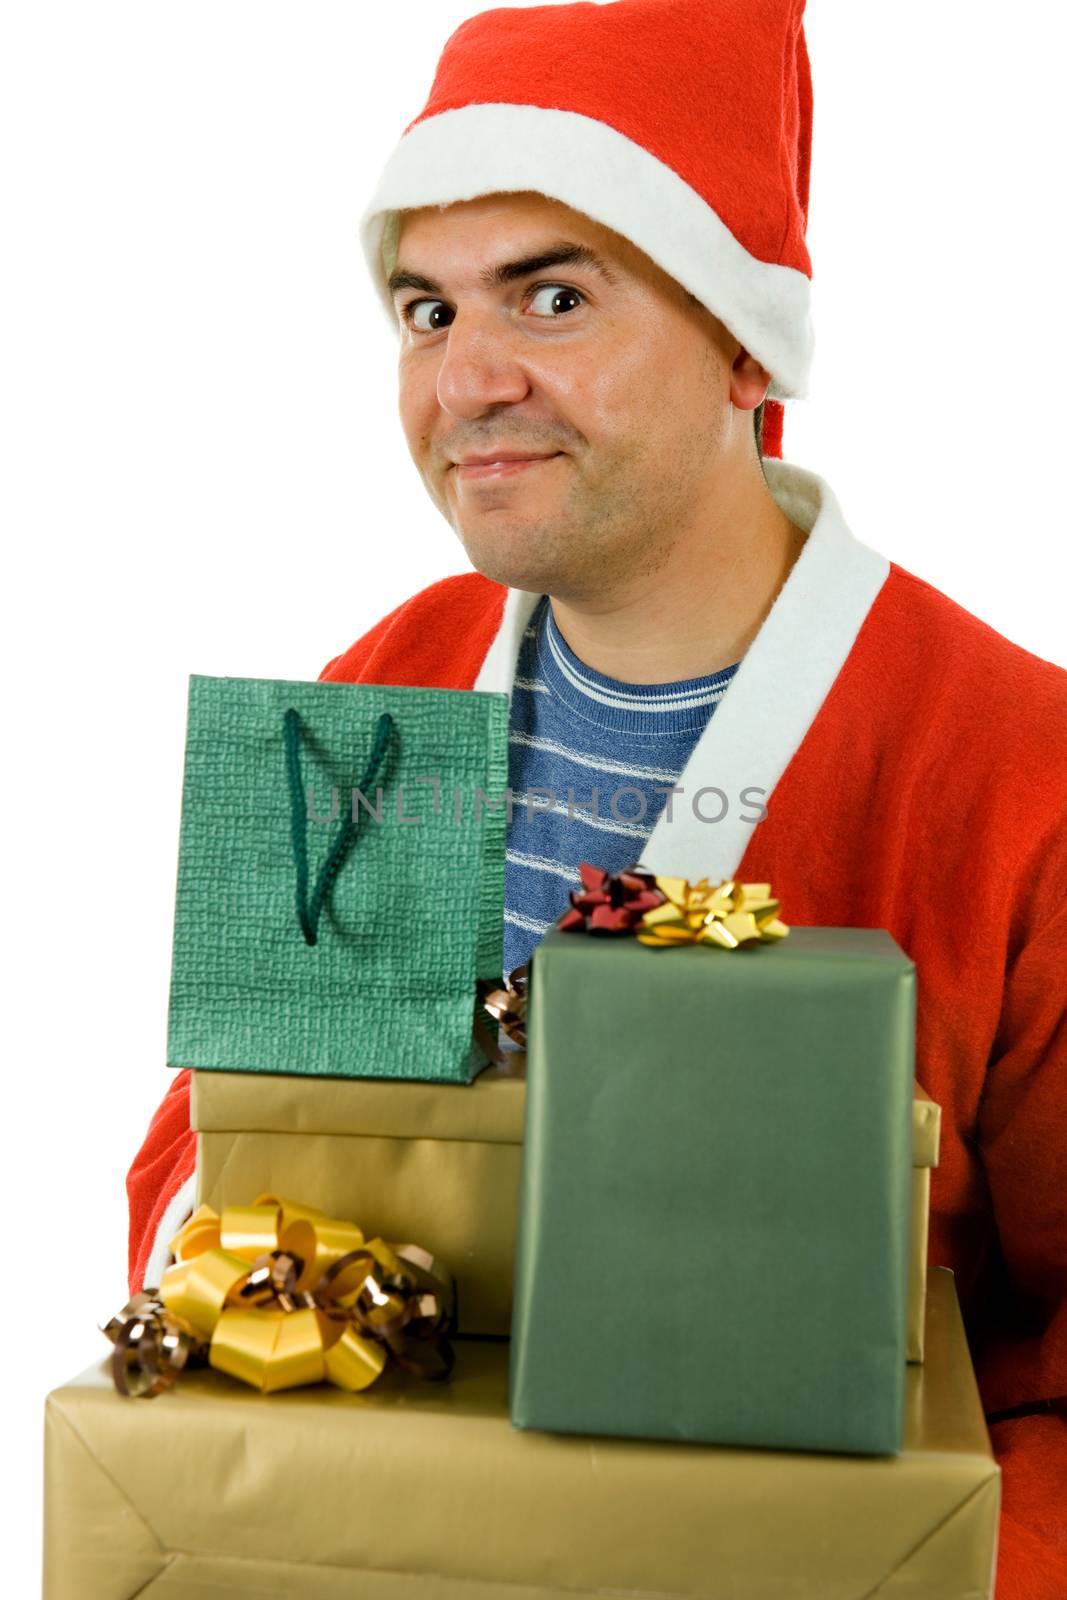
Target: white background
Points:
(204, 470)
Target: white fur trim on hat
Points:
(492, 149)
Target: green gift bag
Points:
(340, 878)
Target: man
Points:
(591, 243)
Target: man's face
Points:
(610, 375)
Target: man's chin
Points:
(511, 561)
(513, 576)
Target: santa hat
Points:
(684, 125)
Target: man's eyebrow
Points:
(563, 254)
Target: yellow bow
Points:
(279, 1294)
(728, 914)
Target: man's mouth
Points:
(501, 466)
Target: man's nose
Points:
(480, 367)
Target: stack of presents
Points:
(603, 1277)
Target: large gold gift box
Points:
(436, 1163)
(413, 1491)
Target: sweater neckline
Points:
(663, 709)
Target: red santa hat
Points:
(684, 125)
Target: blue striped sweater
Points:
(590, 763)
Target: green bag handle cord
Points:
(308, 914)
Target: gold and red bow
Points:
(727, 914)
(610, 903)
(279, 1294)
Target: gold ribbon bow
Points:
(279, 1294)
(728, 914)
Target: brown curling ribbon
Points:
(318, 1302)
(412, 1310)
(507, 1003)
(150, 1347)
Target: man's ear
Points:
(749, 381)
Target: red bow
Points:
(610, 903)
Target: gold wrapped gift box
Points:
(423, 1492)
(435, 1162)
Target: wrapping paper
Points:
(439, 1163)
(408, 1493)
(412, 918)
(925, 1152)
(715, 1207)
(427, 1161)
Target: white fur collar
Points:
(775, 694)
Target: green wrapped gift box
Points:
(715, 1207)
(302, 948)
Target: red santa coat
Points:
(914, 764)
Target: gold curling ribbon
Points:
(278, 1294)
(727, 914)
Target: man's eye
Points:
(556, 292)
(430, 325)
(424, 316)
